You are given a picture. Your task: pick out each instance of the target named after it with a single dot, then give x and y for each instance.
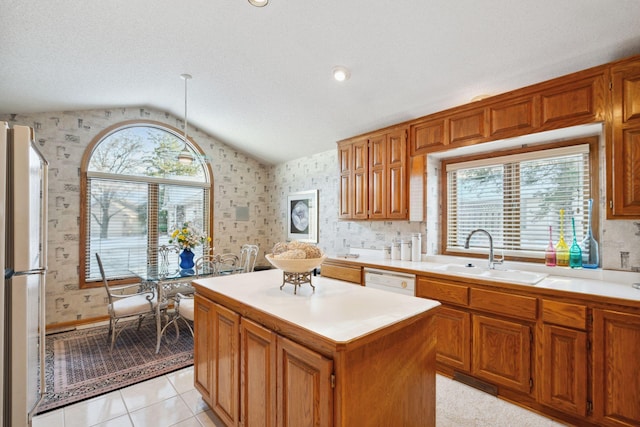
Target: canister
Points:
(405, 250)
(416, 247)
(395, 250)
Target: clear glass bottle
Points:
(550, 253)
(562, 249)
(575, 253)
(589, 246)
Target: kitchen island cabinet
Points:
(341, 355)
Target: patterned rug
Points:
(79, 364)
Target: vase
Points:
(575, 253)
(186, 262)
(590, 256)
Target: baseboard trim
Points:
(54, 328)
(475, 383)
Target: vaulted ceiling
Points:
(262, 76)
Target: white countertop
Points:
(606, 283)
(336, 310)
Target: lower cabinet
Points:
(616, 368)
(563, 369)
(255, 369)
(281, 381)
(502, 352)
(304, 394)
(251, 376)
(257, 375)
(453, 327)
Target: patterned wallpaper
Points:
(239, 181)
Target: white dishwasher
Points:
(391, 281)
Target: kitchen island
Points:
(341, 355)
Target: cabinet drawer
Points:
(442, 291)
(502, 303)
(342, 272)
(564, 314)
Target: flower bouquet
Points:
(188, 236)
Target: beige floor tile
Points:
(147, 393)
(123, 421)
(162, 414)
(191, 422)
(209, 419)
(194, 401)
(182, 380)
(50, 419)
(95, 411)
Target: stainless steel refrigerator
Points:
(23, 257)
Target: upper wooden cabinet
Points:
(374, 176)
(623, 172)
(575, 99)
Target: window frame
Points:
(84, 282)
(594, 189)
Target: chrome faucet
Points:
(492, 261)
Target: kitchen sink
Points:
(508, 276)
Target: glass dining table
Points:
(168, 283)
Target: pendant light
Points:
(185, 157)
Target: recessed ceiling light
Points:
(259, 3)
(340, 73)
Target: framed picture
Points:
(302, 216)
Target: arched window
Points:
(134, 192)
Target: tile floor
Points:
(172, 400)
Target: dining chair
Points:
(248, 256)
(227, 264)
(129, 301)
(205, 265)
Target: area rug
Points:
(79, 364)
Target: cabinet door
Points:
(502, 352)
(428, 136)
(360, 180)
(203, 347)
(396, 172)
(304, 393)
(453, 348)
(616, 368)
(563, 370)
(257, 375)
(225, 361)
(624, 153)
(378, 177)
(345, 162)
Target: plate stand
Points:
(296, 279)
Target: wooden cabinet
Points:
(563, 356)
(623, 191)
(296, 377)
(304, 388)
(250, 376)
(203, 346)
(502, 352)
(616, 368)
(342, 271)
(216, 358)
(353, 159)
(453, 327)
(225, 364)
(257, 375)
(427, 135)
(374, 176)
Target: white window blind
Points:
(516, 198)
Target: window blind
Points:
(129, 220)
(517, 198)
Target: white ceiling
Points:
(261, 76)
